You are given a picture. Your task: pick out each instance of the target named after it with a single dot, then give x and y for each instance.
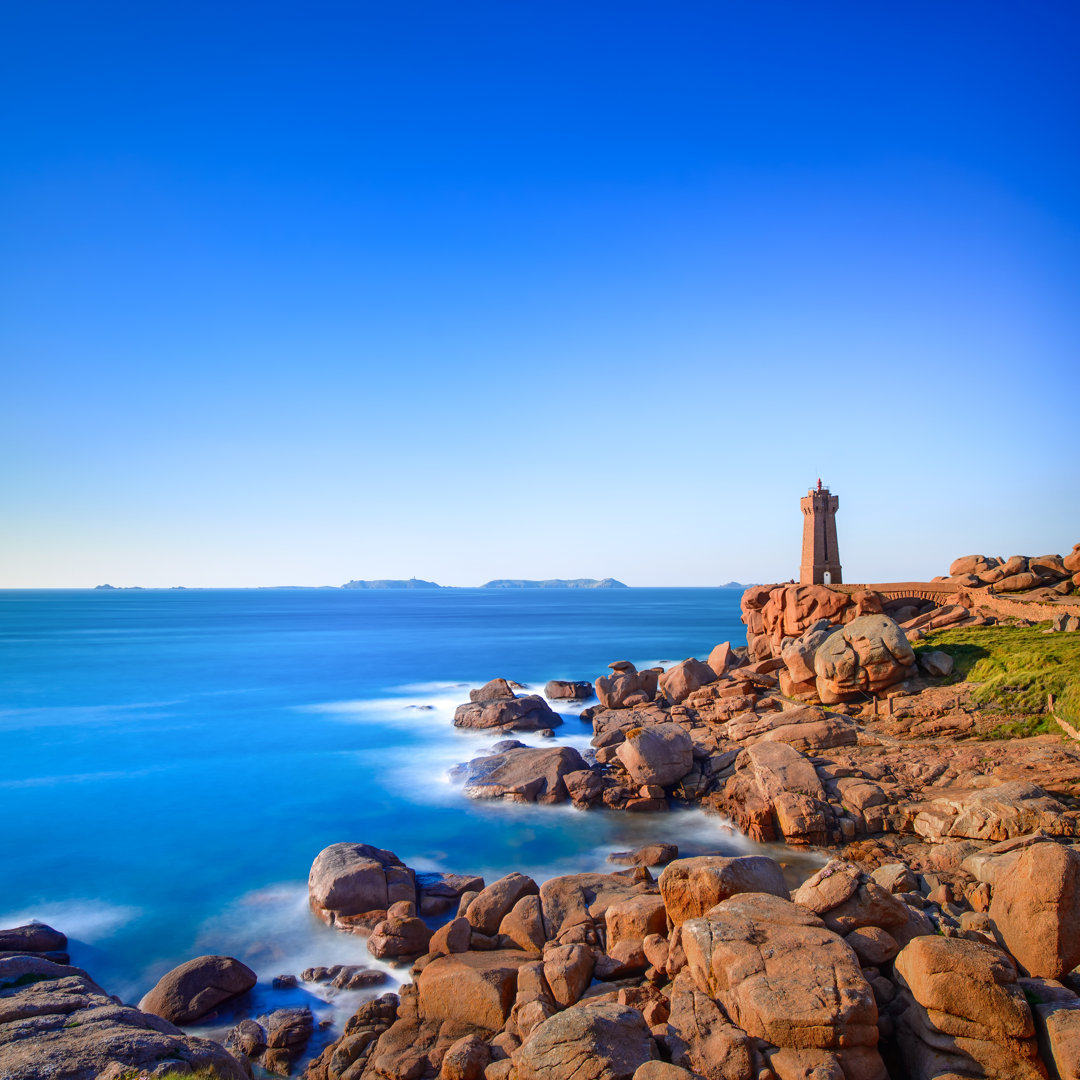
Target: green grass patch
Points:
(1014, 669)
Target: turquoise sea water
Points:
(172, 761)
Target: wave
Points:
(88, 921)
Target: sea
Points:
(171, 761)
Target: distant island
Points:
(391, 583)
(419, 583)
(555, 583)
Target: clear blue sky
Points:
(294, 293)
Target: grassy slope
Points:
(1016, 667)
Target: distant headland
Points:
(392, 583)
(555, 583)
(497, 583)
(420, 583)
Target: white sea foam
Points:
(431, 687)
(392, 710)
(74, 715)
(420, 772)
(273, 931)
(89, 921)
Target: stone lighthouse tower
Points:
(820, 557)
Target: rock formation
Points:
(352, 885)
(496, 707)
(1041, 576)
(55, 1021)
(518, 773)
(865, 656)
(196, 988)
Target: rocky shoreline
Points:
(941, 939)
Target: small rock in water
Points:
(559, 689)
(345, 976)
(506, 744)
(275, 1041)
(649, 855)
(284, 982)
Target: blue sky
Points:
(300, 293)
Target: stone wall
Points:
(1008, 607)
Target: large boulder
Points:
(965, 1012)
(660, 754)
(773, 613)
(1071, 562)
(1057, 1022)
(1017, 564)
(775, 794)
(808, 728)
(1009, 810)
(972, 564)
(348, 880)
(568, 970)
(798, 655)
(475, 988)
(196, 988)
(626, 686)
(523, 924)
(524, 774)
(691, 887)
(55, 1021)
(868, 655)
(1018, 582)
(781, 976)
(702, 1039)
(828, 887)
(439, 892)
(682, 679)
(34, 938)
(575, 904)
(629, 922)
(466, 1059)
(1048, 567)
(528, 713)
(561, 690)
(496, 690)
(723, 658)
(1036, 908)
(658, 854)
(936, 663)
(399, 936)
(488, 909)
(598, 1042)
(849, 900)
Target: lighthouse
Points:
(820, 556)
